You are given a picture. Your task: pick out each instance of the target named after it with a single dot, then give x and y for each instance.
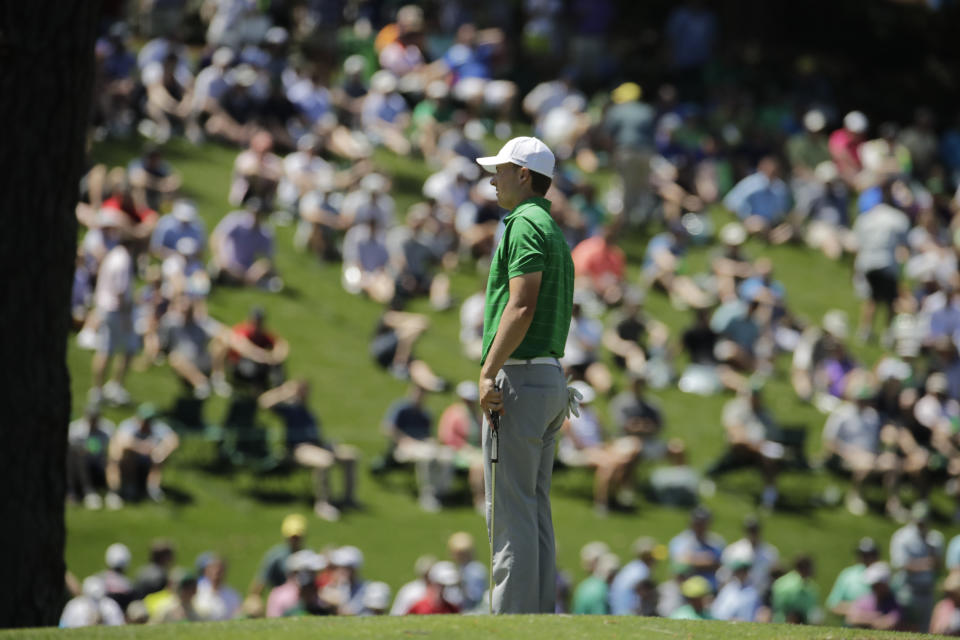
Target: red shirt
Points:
(841, 143)
(260, 338)
(136, 215)
(426, 607)
(595, 258)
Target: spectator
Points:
(845, 144)
(306, 447)
(470, 65)
(345, 589)
(795, 595)
(257, 172)
(366, 262)
(629, 125)
(182, 222)
(88, 439)
(945, 619)
(92, 607)
(915, 554)
(156, 178)
(878, 609)
(376, 599)
(670, 592)
(590, 596)
(309, 602)
(384, 114)
(765, 556)
(214, 599)
(624, 596)
(471, 325)
(197, 348)
(392, 346)
(169, 90)
(442, 576)
(696, 591)
(180, 608)
(473, 574)
(698, 547)
(272, 572)
(115, 580)
(739, 599)
(243, 248)
(257, 355)
(637, 341)
(850, 584)
(637, 416)
(154, 576)
(407, 424)
(137, 452)
(459, 429)
(601, 265)
(284, 597)
(412, 592)
(760, 200)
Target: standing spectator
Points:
(915, 553)
(243, 248)
(215, 600)
(272, 572)
(629, 123)
(306, 446)
(850, 585)
(88, 439)
(698, 547)
(878, 609)
(138, 450)
(795, 597)
(623, 595)
(881, 236)
(945, 619)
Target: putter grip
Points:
(495, 434)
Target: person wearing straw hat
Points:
(527, 316)
(946, 615)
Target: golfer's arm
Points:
(514, 322)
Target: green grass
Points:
(454, 627)
(239, 513)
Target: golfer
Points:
(526, 319)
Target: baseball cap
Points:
(376, 595)
(184, 211)
(626, 92)
(867, 545)
(94, 588)
(293, 525)
(835, 323)
(524, 151)
(592, 551)
(117, 556)
(876, 573)
(856, 122)
(348, 556)
(460, 541)
(146, 411)
(814, 120)
(468, 391)
(695, 587)
(733, 234)
(444, 573)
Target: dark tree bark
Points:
(46, 73)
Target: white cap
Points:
(373, 182)
(348, 556)
(835, 323)
(525, 152)
(376, 595)
(814, 120)
(94, 588)
(588, 393)
(891, 368)
(184, 211)
(223, 57)
(592, 551)
(607, 565)
(826, 171)
(444, 573)
(117, 556)
(876, 573)
(383, 82)
(110, 217)
(354, 64)
(733, 234)
(856, 122)
(468, 391)
(297, 561)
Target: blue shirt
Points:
(758, 195)
(409, 419)
(169, 231)
(623, 598)
(686, 543)
(469, 62)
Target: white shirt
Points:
(215, 604)
(114, 281)
(408, 595)
(84, 611)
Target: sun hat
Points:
(524, 151)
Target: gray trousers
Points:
(524, 552)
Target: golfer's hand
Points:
(490, 398)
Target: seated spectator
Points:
(169, 92)
(92, 607)
(583, 444)
(698, 547)
(664, 267)
(376, 599)
(407, 424)
(243, 248)
(211, 83)
(729, 265)
(637, 341)
(371, 201)
(345, 589)
(182, 222)
(320, 225)
(795, 597)
(88, 439)
(155, 575)
(273, 566)
(114, 91)
(471, 325)
(696, 591)
(232, 115)
(739, 599)
(749, 426)
(309, 601)
(601, 264)
(850, 584)
(740, 325)
(581, 354)
(215, 600)
(306, 446)
(828, 217)
(366, 262)
(197, 347)
(138, 450)
(412, 592)
(384, 115)
(154, 176)
(851, 436)
(415, 249)
(677, 483)
(878, 609)
(392, 346)
(915, 554)
(635, 415)
(459, 428)
(945, 619)
(809, 354)
(285, 597)
(762, 199)
(590, 596)
(115, 581)
(257, 355)
(443, 575)
(473, 574)
(470, 64)
(704, 375)
(256, 172)
(623, 594)
(180, 608)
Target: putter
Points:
(494, 459)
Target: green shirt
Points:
(849, 586)
(532, 242)
(590, 597)
(792, 595)
(687, 612)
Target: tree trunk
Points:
(46, 73)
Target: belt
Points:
(541, 360)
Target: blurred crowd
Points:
(308, 92)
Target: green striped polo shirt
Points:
(532, 242)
